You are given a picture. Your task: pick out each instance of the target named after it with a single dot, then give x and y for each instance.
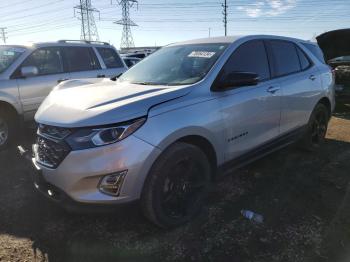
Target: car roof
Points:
(64, 43)
(232, 39)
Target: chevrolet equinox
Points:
(162, 131)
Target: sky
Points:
(163, 22)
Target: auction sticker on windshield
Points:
(203, 54)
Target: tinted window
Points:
(110, 57)
(249, 57)
(47, 60)
(130, 62)
(316, 51)
(81, 59)
(284, 56)
(304, 61)
(140, 55)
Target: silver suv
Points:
(169, 125)
(28, 74)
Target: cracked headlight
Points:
(94, 137)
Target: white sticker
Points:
(203, 54)
(16, 49)
(8, 53)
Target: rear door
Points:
(34, 89)
(251, 114)
(113, 63)
(299, 80)
(82, 62)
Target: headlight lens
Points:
(94, 137)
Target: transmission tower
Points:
(3, 34)
(127, 40)
(88, 25)
(224, 12)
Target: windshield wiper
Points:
(114, 78)
(148, 83)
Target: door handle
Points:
(272, 89)
(61, 80)
(101, 76)
(312, 78)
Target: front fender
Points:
(167, 136)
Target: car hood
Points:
(93, 102)
(335, 43)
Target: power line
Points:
(127, 39)
(88, 25)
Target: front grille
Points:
(53, 131)
(48, 151)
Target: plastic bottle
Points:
(252, 216)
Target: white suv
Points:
(161, 132)
(28, 74)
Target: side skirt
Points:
(261, 151)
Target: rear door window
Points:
(249, 57)
(110, 57)
(284, 57)
(81, 59)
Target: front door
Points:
(251, 114)
(34, 89)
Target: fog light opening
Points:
(111, 184)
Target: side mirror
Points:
(236, 79)
(27, 71)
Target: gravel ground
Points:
(304, 198)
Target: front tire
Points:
(7, 128)
(176, 186)
(316, 129)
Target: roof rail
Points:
(83, 41)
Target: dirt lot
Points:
(304, 197)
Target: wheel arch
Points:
(326, 102)
(206, 147)
(199, 137)
(10, 108)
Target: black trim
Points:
(263, 150)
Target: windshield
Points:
(175, 65)
(8, 54)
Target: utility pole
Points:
(88, 26)
(209, 31)
(127, 39)
(224, 12)
(3, 34)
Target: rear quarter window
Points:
(316, 51)
(110, 57)
(304, 60)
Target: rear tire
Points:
(316, 131)
(176, 186)
(7, 127)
